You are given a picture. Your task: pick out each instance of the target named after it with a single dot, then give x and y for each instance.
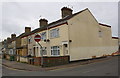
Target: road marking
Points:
(64, 68)
(56, 69)
(13, 68)
(89, 71)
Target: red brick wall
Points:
(54, 61)
(7, 57)
(50, 61)
(37, 61)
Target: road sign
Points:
(37, 38)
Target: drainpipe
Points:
(118, 44)
(68, 41)
(48, 46)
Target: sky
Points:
(17, 15)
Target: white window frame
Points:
(54, 33)
(43, 35)
(53, 50)
(100, 33)
(44, 50)
(29, 40)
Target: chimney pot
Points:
(8, 39)
(13, 36)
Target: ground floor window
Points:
(10, 51)
(55, 50)
(44, 50)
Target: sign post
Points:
(37, 38)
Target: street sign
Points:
(37, 38)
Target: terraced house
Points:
(22, 46)
(9, 47)
(73, 37)
(12, 45)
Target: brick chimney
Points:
(13, 36)
(5, 40)
(8, 39)
(43, 22)
(66, 12)
(27, 29)
(2, 42)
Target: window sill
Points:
(54, 37)
(55, 55)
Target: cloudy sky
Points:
(17, 15)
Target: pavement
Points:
(100, 67)
(28, 67)
(20, 66)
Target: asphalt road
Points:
(103, 68)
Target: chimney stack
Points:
(43, 22)
(27, 29)
(8, 39)
(13, 36)
(66, 12)
(4, 42)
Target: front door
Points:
(65, 49)
(34, 51)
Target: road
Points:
(103, 68)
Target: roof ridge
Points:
(69, 16)
(115, 37)
(104, 25)
(54, 23)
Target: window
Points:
(10, 52)
(55, 50)
(43, 35)
(44, 50)
(54, 33)
(65, 45)
(29, 40)
(100, 33)
(30, 51)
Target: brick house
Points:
(21, 46)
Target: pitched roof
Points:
(65, 18)
(104, 25)
(55, 23)
(115, 37)
(21, 35)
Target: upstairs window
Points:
(30, 40)
(43, 35)
(23, 41)
(100, 33)
(54, 33)
(55, 50)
